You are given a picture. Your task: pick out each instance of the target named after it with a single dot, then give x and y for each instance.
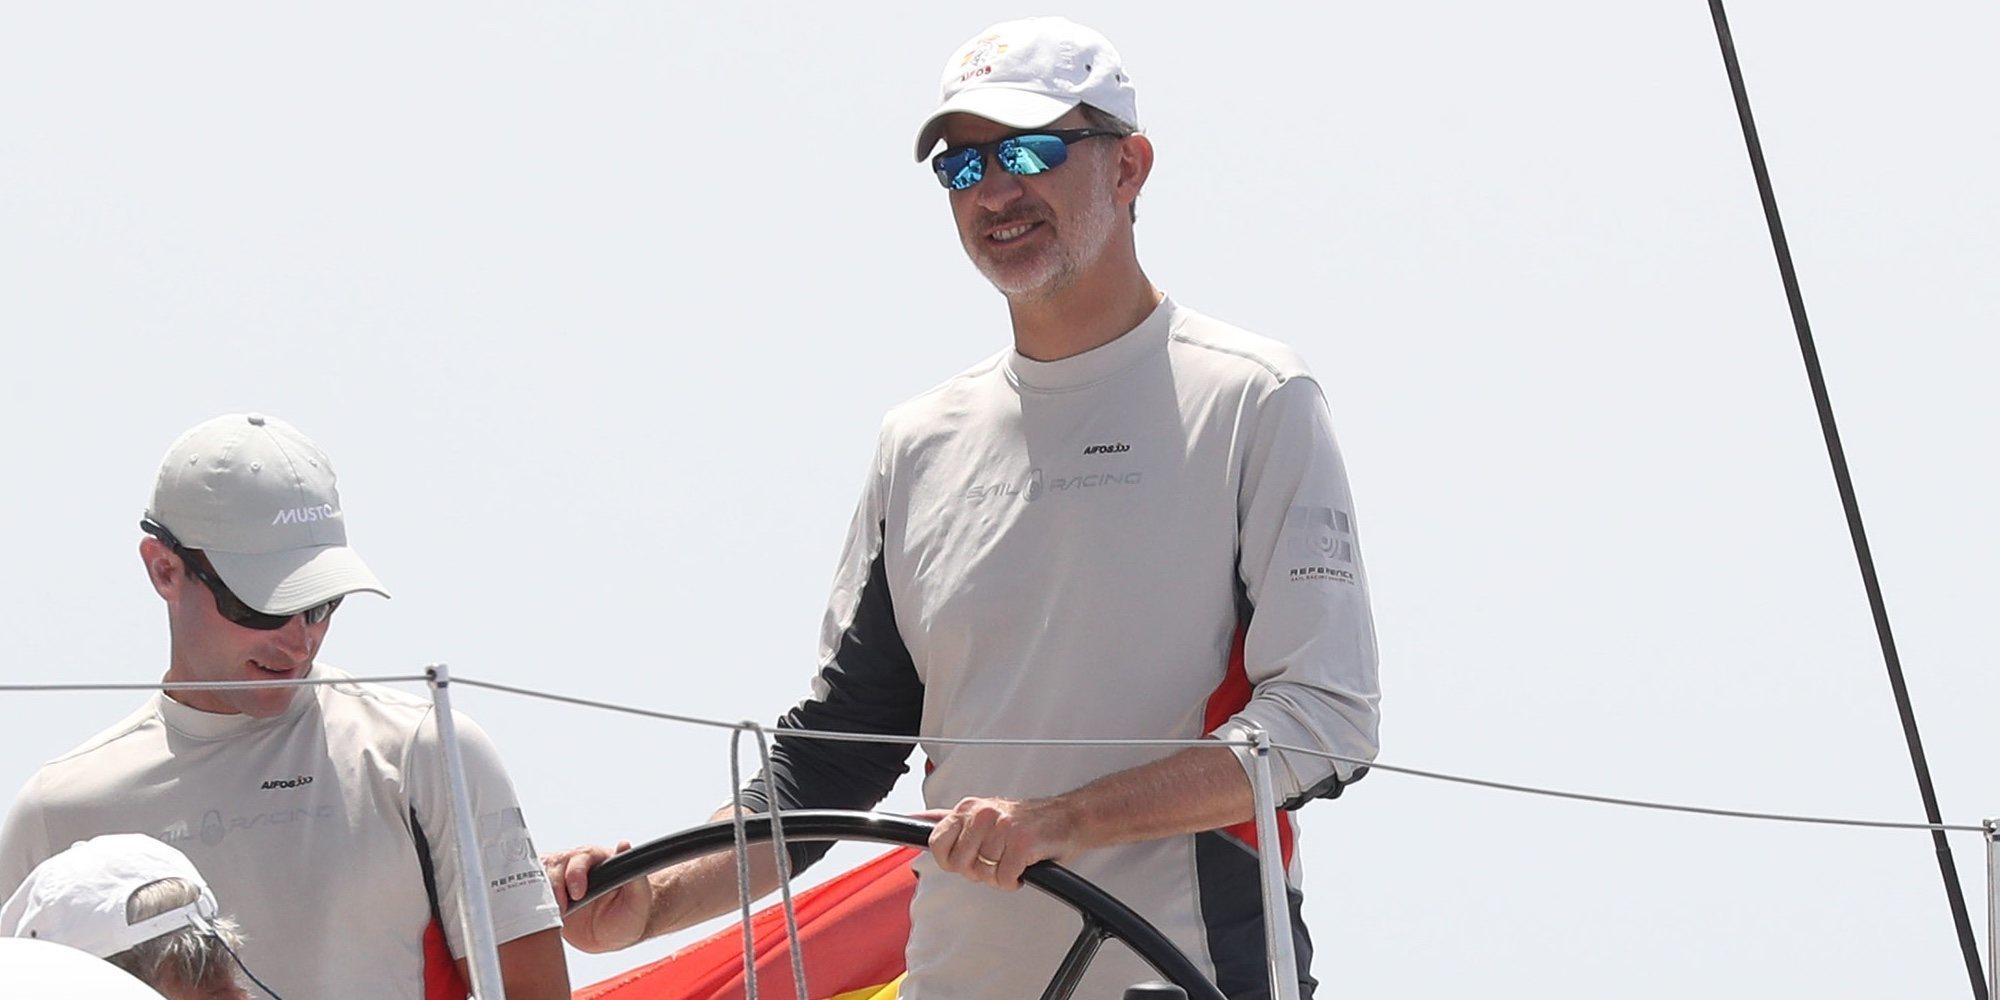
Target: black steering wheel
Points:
(1104, 917)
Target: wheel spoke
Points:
(1074, 964)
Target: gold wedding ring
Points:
(984, 860)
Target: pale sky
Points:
(596, 309)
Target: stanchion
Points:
(1284, 964)
(482, 953)
(1992, 906)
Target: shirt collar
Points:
(1098, 363)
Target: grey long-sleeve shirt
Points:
(1151, 539)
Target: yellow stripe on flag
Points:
(883, 992)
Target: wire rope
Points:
(1844, 481)
(1446, 776)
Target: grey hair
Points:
(1096, 117)
(189, 957)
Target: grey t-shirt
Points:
(306, 826)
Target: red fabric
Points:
(1229, 697)
(853, 928)
(442, 980)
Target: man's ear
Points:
(163, 568)
(1135, 164)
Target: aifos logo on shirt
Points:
(297, 781)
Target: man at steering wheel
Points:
(1132, 523)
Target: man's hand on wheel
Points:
(616, 920)
(994, 840)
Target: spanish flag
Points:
(852, 930)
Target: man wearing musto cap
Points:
(321, 812)
(1133, 523)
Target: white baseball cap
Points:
(258, 499)
(1028, 73)
(79, 897)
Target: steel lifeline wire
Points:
(1937, 828)
(1845, 482)
(1415, 772)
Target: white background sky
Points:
(597, 307)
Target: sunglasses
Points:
(961, 167)
(228, 604)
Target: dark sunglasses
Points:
(961, 167)
(228, 604)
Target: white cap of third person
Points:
(1028, 73)
(258, 498)
(79, 897)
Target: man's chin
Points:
(1020, 279)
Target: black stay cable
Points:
(1845, 481)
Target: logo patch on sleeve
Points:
(506, 852)
(1318, 542)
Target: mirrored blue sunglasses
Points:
(961, 167)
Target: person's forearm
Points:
(1199, 788)
(994, 840)
(693, 891)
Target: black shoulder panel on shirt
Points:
(1230, 892)
(447, 973)
(1327, 789)
(872, 687)
(425, 864)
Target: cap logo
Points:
(979, 57)
(302, 515)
